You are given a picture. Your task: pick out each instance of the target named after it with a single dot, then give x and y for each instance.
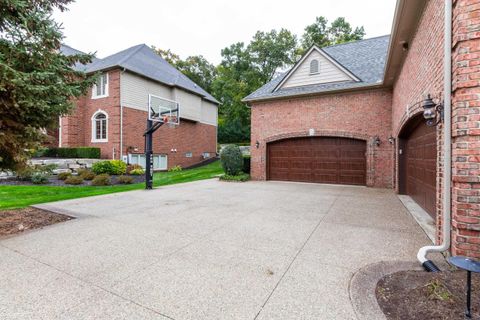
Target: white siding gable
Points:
(135, 90)
(328, 71)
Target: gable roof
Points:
(324, 54)
(365, 59)
(142, 60)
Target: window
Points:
(159, 160)
(206, 155)
(100, 88)
(188, 155)
(99, 127)
(314, 67)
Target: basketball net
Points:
(170, 121)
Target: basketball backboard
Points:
(163, 110)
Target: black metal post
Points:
(468, 312)
(149, 156)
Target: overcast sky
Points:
(193, 27)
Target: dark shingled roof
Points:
(364, 58)
(142, 60)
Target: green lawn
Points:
(13, 197)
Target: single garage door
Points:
(318, 159)
(421, 161)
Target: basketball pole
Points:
(151, 128)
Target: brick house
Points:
(113, 114)
(352, 114)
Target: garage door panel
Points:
(420, 173)
(318, 159)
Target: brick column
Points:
(466, 129)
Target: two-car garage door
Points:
(318, 159)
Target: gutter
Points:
(121, 115)
(447, 147)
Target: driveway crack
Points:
(296, 255)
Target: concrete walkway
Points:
(205, 250)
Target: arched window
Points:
(99, 126)
(314, 66)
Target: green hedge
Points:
(80, 152)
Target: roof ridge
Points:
(356, 41)
(128, 56)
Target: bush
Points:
(80, 152)
(110, 167)
(86, 174)
(232, 160)
(137, 172)
(246, 164)
(64, 175)
(102, 180)
(125, 180)
(39, 177)
(74, 180)
(242, 177)
(26, 173)
(131, 167)
(177, 168)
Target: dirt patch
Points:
(422, 295)
(20, 220)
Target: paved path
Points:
(205, 250)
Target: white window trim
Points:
(94, 89)
(93, 121)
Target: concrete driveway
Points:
(205, 250)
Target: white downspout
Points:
(447, 147)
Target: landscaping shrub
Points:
(74, 180)
(242, 177)
(64, 175)
(39, 177)
(102, 180)
(246, 164)
(177, 168)
(125, 180)
(80, 152)
(26, 173)
(137, 172)
(110, 167)
(232, 160)
(86, 174)
(131, 167)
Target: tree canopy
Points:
(246, 67)
(37, 82)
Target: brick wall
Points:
(466, 129)
(194, 137)
(421, 74)
(361, 115)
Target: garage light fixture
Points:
(377, 141)
(432, 111)
(257, 144)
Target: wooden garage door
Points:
(421, 161)
(318, 159)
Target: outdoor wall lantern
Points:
(376, 140)
(257, 144)
(391, 140)
(432, 112)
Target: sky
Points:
(205, 27)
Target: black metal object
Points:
(151, 128)
(432, 111)
(470, 266)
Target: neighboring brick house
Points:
(352, 114)
(113, 114)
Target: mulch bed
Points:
(20, 220)
(53, 181)
(423, 295)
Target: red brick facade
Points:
(189, 137)
(466, 129)
(385, 112)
